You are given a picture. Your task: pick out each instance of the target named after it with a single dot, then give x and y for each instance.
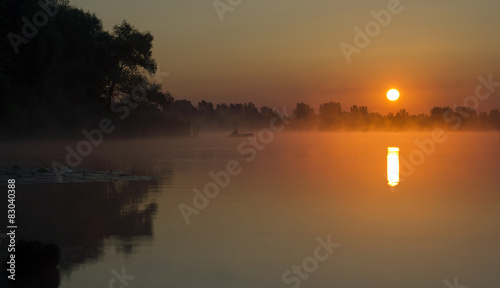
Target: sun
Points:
(393, 94)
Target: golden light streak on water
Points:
(392, 166)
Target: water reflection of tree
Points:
(80, 218)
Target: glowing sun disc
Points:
(393, 94)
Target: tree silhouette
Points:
(303, 111)
(130, 54)
(206, 108)
(71, 70)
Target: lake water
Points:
(439, 220)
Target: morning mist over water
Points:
(253, 224)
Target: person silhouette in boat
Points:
(237, 133)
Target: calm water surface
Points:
(440, 220)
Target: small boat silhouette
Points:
(237, 133)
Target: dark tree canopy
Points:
(129, 58)
(60, 75)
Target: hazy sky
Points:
(280, 52)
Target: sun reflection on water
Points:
(392, 166)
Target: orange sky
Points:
(281, 52)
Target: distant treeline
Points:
(61, 72)
(331, 117)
